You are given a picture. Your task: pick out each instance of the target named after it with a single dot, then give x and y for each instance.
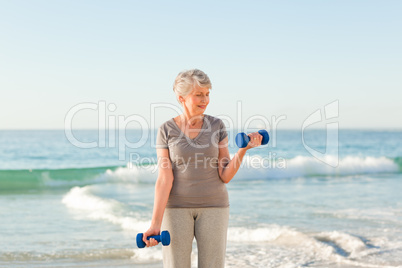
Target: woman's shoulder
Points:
(167, 124)
(213, 120)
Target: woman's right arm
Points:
(163, 187)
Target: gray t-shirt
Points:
(195, 164)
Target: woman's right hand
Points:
(151, 231)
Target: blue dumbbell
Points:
(242, 139)
(164, 237)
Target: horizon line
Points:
(310, 128)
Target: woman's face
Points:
(197, 101)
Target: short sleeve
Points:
(222, 131)
(161, 138)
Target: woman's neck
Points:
(192, 120)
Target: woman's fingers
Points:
(152, 242)
(255, 139)
(144, 238)
(147, 243)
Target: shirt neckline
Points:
(182, 133)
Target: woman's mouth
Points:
(202, 106)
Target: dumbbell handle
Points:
(242, 139)
(156, 237)
(164, 237)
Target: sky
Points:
(78, 63)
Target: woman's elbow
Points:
(225, 179)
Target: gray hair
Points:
(186, 80)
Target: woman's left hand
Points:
(255, 140)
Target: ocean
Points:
(79, 201)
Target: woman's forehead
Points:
(200, 89)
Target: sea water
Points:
(62, 205)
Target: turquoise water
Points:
(62, 205)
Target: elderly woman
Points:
(194, 164)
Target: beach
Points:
(65, 206)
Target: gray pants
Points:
(207, 225)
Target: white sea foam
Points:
(146, 255)
(84, 255)
(81, 199)
(265, 246)
(281, 246)
(133, 174)
(268, 234)
(351, 245)
(265, 168)
(280, 236)
(301, 166)
(253, 167)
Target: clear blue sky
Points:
(276, 57)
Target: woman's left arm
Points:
(227, 167)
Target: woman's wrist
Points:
(156, 224)
(242, 151)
